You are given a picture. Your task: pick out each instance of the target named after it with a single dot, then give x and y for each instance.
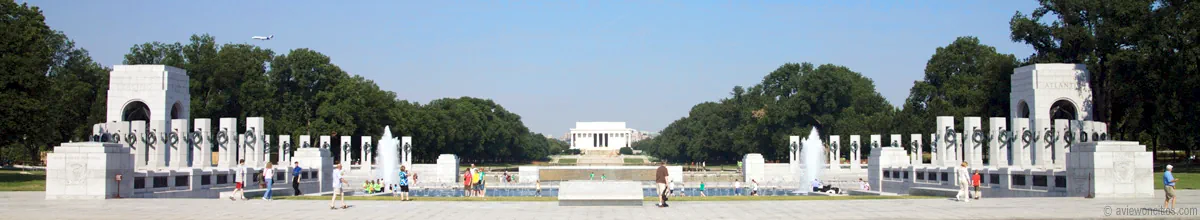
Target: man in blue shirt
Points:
(296, 179)
(1169, 186)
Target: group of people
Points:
(966, 180)
(474, 183)
(373, 186)
(267, 177)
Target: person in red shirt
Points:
(975, 182)
(467, 183)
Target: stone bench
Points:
(600, 193)
(930, 191)
(870, 193)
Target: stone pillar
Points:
(447, 170)
(119, 130)
(137, 129)
(997, 151)
(406, 150)
(835, 144)
(157, 158)
(753, 167)
(202, 135)
(914, 148)
(856, 146)
(934, 158)
(177, 144)
(305, 142)
(87, 170)
(227, 143)
(1061, 128)
(266, 150)
(1086, 132)
(948, 140)
(1023, 136)
(876, 141)
(319, 159)
(1041, 146)
(793, 149)
(365, 150)
(239, 152)
(1099, 131)
(1110, 169)
(255, 142)
(324, 142)
(285, 146)
(345, 151)
(973, 139)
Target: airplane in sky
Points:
(263, 38)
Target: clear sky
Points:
(554, 63)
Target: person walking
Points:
(296, 179)
(239, 181)
(338, 182)
(753, 187)
(537, 187)
(702, 189)
(269, 177)
(1169, 187)
(660, 180)
(737, 187)
(961, 176)
(403, 184)
(975, 182)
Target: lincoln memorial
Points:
(600, 135)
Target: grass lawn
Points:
(567, 161)
(635, 161)
(651, 198)
(1186, 180)
(16, 180)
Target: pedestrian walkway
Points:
(31, 205)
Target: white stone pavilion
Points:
(600, 136)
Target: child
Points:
(975, 182)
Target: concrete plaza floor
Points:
(32, 205)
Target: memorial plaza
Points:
(31, 205)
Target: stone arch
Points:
(177, 111)
(1064, 109)
(1022, 109)
(135, 110)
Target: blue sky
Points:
(554, 63)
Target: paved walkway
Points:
(31, 205)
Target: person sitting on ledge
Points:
(367, 186)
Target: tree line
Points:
(53, 93)
(1142, 57)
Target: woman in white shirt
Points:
(269, 176)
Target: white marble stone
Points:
(157, 158)
(916, 155)
(325, 142)
(345, 153)
(227, 151)
(997, 151)
(876, 141)
(856, 146)
(1021, 148)
(447, 170)
(934, 141)
(883, 157)
(177, 144)
(285, 146)
(254, 143)
(972, 143)
(1039, 86)
(140, 148)
(948, 141)
(366, 158)
(753, 167)
(162, 89)
(596, 193)
(406, 149)
(87, 170)
(834, 150)
(1061, 128)
(1041, 146)
(1110, 169)
(202, 151)
(793, 149)
(320, 159)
